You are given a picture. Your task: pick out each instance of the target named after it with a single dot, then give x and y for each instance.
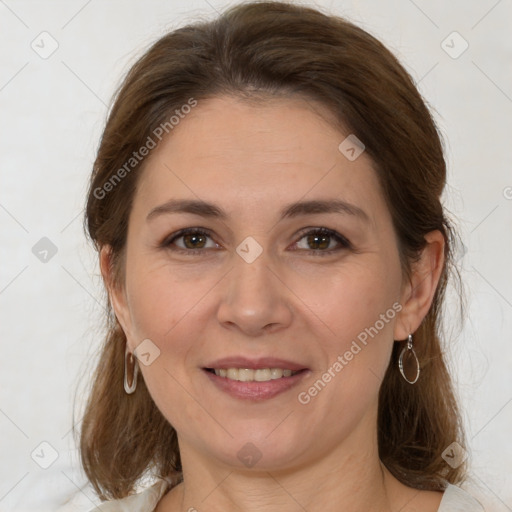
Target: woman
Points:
(266, 206)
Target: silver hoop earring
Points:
(408, 363)
(131, 371)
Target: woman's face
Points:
(254, 285)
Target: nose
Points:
(255, 299)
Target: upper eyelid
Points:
(342, 240)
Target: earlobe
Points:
(419, 291)
(115, 291)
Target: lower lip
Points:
(256, 390)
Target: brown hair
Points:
(273, 48)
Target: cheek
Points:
(162, 301)
(358, 311)
(165, 308)
(352, 300)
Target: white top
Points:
(454, 499)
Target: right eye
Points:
(194, 240)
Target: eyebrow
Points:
(211, 210)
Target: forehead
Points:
(257, 156)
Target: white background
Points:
(52, 114)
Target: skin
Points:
(290, 302)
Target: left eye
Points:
(195, 240)
(322, 238)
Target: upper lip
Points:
(255, 364)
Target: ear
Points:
(116, 291)
(418, 292)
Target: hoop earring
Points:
(131, 367)
(408, 362)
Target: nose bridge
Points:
(251, 275)
(254, 297)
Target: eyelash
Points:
(345, 244)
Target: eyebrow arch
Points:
(205, 209)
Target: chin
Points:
(259, 450)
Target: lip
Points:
(255, 391)
(255, 364)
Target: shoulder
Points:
(456, 499)
(144, 501)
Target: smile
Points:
(251, 375)
(255, 384)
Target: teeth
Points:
(232, 374)
(263, 375)
(245, 375)
(276, 373)
(249, 375)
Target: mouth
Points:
(255, 380)
(254, 375)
